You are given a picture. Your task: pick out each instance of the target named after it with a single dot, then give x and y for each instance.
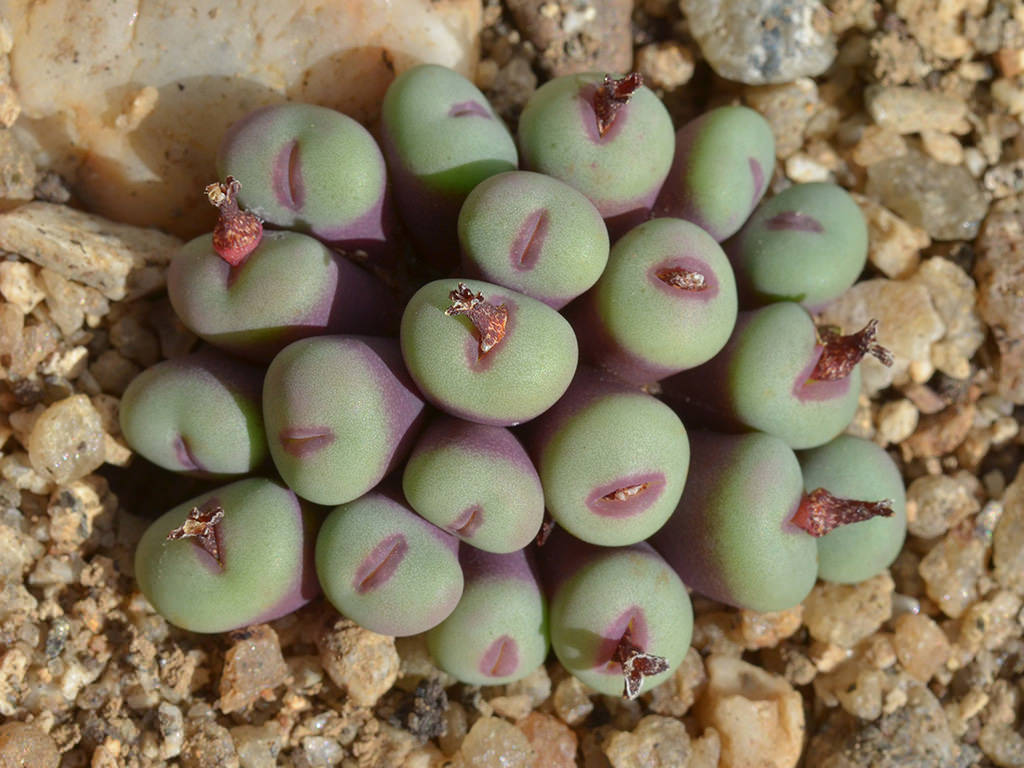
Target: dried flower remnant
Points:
(820, 512)
(636, 663)
(203, 525)
(237, 232)
(546, 529)
(489, 320)
(683, 279)
(612, 96)
(842, 353)
(625, 493)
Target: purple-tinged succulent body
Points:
(764, 379)
(597, 594)
(807, 244)
(441, 138)
(200, 414)
(621, 168)
(498, 632)
(723, 162)
(263, 569)
(476, 482)
(665, 303)
(290, 287)
(387, 568)
(612, 460)
(533, 234)
(525, 371)
(314, 169)
(341, 413)
(853, 468)
(732, 537)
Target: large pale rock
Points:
(130, 99)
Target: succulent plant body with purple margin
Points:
(441, 449)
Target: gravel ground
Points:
(915, 106)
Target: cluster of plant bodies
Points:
(530, 322)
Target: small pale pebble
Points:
(788, 108)
(17, 170)
(897, 420)
(894, 245)
(845, 614)
(511, 707)
(321, 751)
(416, 664)
(67, 440)
(536, 686)
(494, 743)
(944, 200)
(764, 630)
(706, 751)
(25, 746)
(936, 503)
(656, 741)
(20, 285)
(66, 363)
(907, 325)
(951, 571)
(1005, 179)
(70, 304)
(940, 433)
(113, 371)
(665, 65)
(553, 741)
(677, 694)
(942, 147)
(116, 452)
(1008, 538)
(878, 650)
(1010, 61)
(456, 724)
(953, 295)
(921, 646)
(171, 724)
(975, 161)
(10, 105)
(1009, 93)
(715, 632)
(991, 622)
(912, 110)
(1002, 744)
(758, 715)
(257, 746)
(804, 169)
(208, 745)
(876, 144)
(362, 663)
(252, 665)
(764, 41)
(858, 689)
(571, 701)
(81, 246)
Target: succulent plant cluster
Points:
(410, 459)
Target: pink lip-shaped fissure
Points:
(758, 174)
(627, 496)
(795, 221)
(468, 109)
(287, 176)
(690, 264)
(303, 442)
(381, 564)
(501, 658)
(633, 619)
(187, 459)
(474, 360)
(526, 248)
(806, 389)
(467, 523)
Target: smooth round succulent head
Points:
(476, 482)
(610, 139)
(387, 568)
(731, 538)
(199, 414)
(853, 468)
(290, 287)
(534, 234)
(723, 162)
(498, 633)
(665, 303)
(612, 460)
(806, 244)
(598, 594)
(340, 413)
(238, 555)
(486, 354)
(441, 138)
(765, 378)
(310, 168)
